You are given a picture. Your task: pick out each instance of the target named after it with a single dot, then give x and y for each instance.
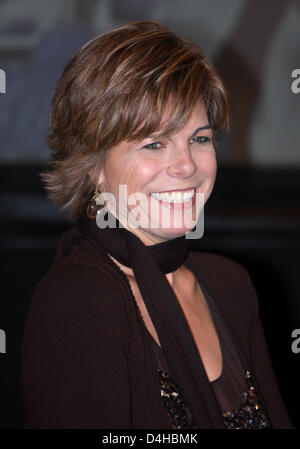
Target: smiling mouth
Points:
(174, 196)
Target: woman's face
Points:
(183, 163)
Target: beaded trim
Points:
(177, 410)
(249, 415)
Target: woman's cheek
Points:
(149, 168)
(206, 163)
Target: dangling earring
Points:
(93, 208)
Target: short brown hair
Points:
(117, 88)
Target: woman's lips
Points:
(175, 201)
(176, 190)
(176, 196)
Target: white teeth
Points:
(175, 197)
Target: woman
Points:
(129, 329)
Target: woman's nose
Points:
(181, 163)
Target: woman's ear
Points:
(96, 177)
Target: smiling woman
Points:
(172, 171)
(130, 84)
(128, 328)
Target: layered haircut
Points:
(119, 86)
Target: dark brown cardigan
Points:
(87, 361)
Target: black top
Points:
(87, 360)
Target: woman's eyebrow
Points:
(200, 129)
(158, 135)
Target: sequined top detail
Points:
(239, 401)
(249, 415)
(177, 410)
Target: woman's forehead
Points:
(168, 126)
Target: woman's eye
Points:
(153, 146)
(201, 139)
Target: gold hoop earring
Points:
(93, 208)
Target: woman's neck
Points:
(180, 279)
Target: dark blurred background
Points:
(253, 215)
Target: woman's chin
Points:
(157, 229)
(172, 232)
(177, 226)
(177, 231)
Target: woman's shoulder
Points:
(217, 267)
(81, 274)
(73, 298)
(80, 255)
(227, 281)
